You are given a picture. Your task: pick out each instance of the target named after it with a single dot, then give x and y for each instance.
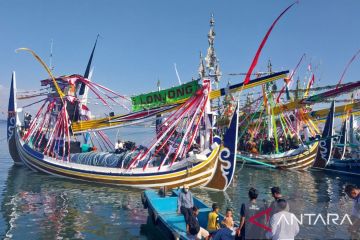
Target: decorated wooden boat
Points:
(276, 140)
(304, 156)
(163, 212)
(288, 119)
(297, 159)
(63, 137)
(213, 167)
(332, 157)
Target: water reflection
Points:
(44, 207)
(38, 206)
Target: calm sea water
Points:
(39, 206)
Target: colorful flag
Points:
(256, 58)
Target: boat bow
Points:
(12, 122)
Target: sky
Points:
(141, 39)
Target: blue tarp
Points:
(105, 159)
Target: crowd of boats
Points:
(201, 132)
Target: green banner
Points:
(164, 97)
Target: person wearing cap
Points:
(354, 193)
(225, 233)
(276, 193)
(213, 219)
(281, 225)
(185, 203)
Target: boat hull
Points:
(302, 161)
(196, 175)
(346, 166)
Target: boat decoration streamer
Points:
(262, 44)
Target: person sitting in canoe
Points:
(194, 227)
(185, 203)
(213, 219)
(228, 217)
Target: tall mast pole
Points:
(268, 107)
(210, 74)
(296, 111)
(51, 55)
(158, 120)
(212, 62)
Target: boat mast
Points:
(158, 120)
(270, 132)
(210, 74)
(51, 67)
(296, 111)
(212, 62)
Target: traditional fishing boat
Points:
(289, 125)
(298, 159)
(213, 167)
(163, 212)
(334, 157)
(63, 137)
(303, 155)
(276, 140)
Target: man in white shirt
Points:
(283, 224)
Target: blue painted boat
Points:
(163, 212)
(344, 166)
(325, 159)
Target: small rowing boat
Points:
(163, 213)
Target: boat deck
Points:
(165, 209)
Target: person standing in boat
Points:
(267, 146)
(27, 121)
(354, 193)
(246, 229)
(185, 203)
(276, 193)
